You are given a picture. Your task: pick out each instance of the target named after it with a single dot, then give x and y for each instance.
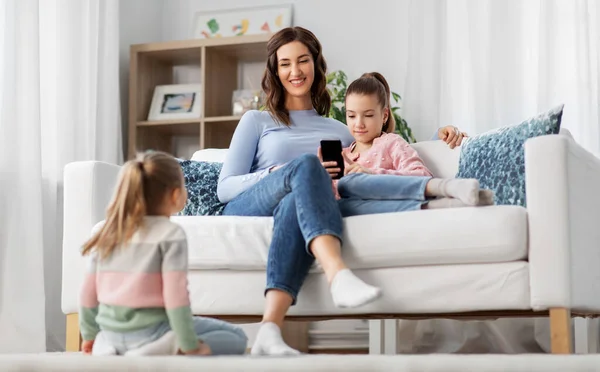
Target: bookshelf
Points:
(218, 60)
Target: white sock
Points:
(486, 197)
(165, 345)
(347, 290)
(269, 342)
(445, 203)
(464, 189)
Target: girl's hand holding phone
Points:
(330, 166)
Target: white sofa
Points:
(462, 263)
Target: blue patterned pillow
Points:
(497, 158)
(201, 180)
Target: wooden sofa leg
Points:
(73, 334)
(295, 334)
(560, 331)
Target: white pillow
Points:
(210, 155)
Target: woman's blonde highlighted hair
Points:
(144, 184)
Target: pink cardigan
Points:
(389, 154)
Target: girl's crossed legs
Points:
(223, 338)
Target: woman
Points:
(271, 170)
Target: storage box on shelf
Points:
(218, 59)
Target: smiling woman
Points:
(294, 78)
(271, 169)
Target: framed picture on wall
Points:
(242, 21)
(178, 101)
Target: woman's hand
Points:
(354, 167)
(451, 135)
(330, 166)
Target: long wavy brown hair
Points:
(143, 185)
(271, 85)
(373, 83)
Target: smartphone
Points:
(331, 150)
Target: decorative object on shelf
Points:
(246, 99)
(242, 21)
(337, 83)
(178, 101)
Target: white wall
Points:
(367, 36)
(140, 21)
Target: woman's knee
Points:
(309, 160)
(308, 165)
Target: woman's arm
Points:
(449, 134)
(235, 176)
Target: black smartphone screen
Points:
(331, 150)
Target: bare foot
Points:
(203, 349)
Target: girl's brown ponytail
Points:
(374, 83)
(143, 185)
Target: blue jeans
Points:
(222, 337)
(300, 198)
(380, 193)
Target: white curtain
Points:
(59, 102)
(483, 64)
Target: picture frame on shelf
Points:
(242, 21)
(176, 101)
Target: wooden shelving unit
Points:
(218, 59)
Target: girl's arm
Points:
(88, 305)
(235, 176)
(405, 159)
(175, 292)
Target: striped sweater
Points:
(141, 284)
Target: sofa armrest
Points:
(563, 204)
(88, 188)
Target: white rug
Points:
(422, 363)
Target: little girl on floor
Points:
(377, 156)
(134, 298)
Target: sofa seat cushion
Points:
(425, 237)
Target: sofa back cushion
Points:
(441, 160)
(210, 155)
(438, 157)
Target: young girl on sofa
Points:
(378, 154)
(134, 298)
